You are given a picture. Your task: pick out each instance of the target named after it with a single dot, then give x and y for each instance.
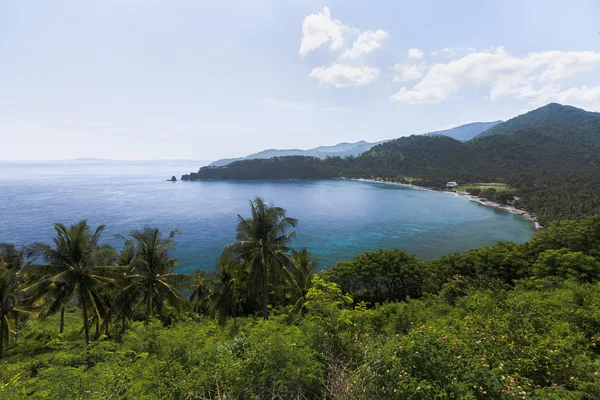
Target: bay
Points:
(337, 218)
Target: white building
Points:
(451, 184)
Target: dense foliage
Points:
(571, 120)
(503, 321)
(551, 158)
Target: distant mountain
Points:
(553, 120)
(344, 149)
(466, 132)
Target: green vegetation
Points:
(484, 186)
(566, 119)
(499, 322)
(551, 159)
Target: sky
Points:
(195, 79)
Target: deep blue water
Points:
(337, 219)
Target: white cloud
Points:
(452, 52)
(535, 77)
(365, 43)
(415, 54)
(583, 96)
(339, 75)
(409, 72)
(319, 29)
(348, 69)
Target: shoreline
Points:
(492, 204)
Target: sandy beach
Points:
(508, 208)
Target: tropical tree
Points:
(78, 266)
(201, 289)
(262, 243)
(11, 256)
(10, 314)
(152, 283)
(124, 302)
(230, 287)
(301, 272)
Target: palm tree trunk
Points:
(62, 320)
(97, 334)
(123, 324)
(148, 307)
(1, 336)
(265, 292)
(86, 326)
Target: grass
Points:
(486, 185)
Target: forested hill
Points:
(556, 176)
(555, 120)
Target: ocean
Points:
(337, 218)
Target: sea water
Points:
(337, 218)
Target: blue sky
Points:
(133, 79)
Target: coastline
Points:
(508, 208)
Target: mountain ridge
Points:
(465, 132)
(346, 149)
(343, 149)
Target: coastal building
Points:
(451, 184)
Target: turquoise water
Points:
(337, 219)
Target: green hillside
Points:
(500, 322)
(555, 120)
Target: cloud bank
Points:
(536, 78)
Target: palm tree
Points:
(201, 289)
(152, 282)
(78, 266)
(262, 243)
(10, 256)
(10, 314)
(230, 287)
(123, 304)
(303, 268)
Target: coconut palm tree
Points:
(262, 243)
(230, 288)
(78, 266)
(123, 302)
(10, 314)
(303, 268)
(201, 289)
(10, 256)
(152, 283)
